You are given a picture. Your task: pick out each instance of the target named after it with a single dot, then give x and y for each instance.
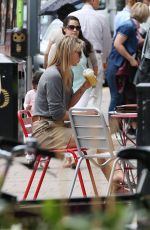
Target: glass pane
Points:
(3, 12)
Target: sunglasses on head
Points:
(72, 27)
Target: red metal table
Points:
(124, 119)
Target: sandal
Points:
(122, 190)
(119, 182)
(121, 187)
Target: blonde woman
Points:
(55, 96)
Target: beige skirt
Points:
(51, 134)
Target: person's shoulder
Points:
(99, 14)
(55, 28)
(52, 76)
(126, 27)
(30, 92)
(56, 22)
(76, 13)
(126, 24)
(103, 17)
(85, 11)
(51, 72)
(56, 34)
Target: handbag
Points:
(124, 70)
(121, 75)
(125, 75)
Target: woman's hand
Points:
(78, 94)
(86, 85)
(133, 62)
(28, 107)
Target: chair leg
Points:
(127, 172)
(92, 177)
(132, 176)
(111, 177)
(32, 177)
(41, 178)
(78, 172)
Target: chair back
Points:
(90, 129)
(25, 119)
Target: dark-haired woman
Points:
(71, 27)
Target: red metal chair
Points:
(25, 120)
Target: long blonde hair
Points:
(66, 47)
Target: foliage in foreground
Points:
(57, 216)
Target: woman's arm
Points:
(119, 45)
(91, 112)
(93, 61)
(27, 102)
(77, 95)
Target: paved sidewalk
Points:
(56, 184)
(57, 181)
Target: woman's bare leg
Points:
(118, 175)
(69, 160)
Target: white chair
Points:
(92, 133)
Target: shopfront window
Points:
(7, 17)
(3, 16)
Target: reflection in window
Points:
(7, 17)
(3, 11)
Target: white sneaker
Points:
(30, 158)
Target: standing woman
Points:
(124, 49)
(71, 27)
(55, 96)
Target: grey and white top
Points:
(52, 99)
